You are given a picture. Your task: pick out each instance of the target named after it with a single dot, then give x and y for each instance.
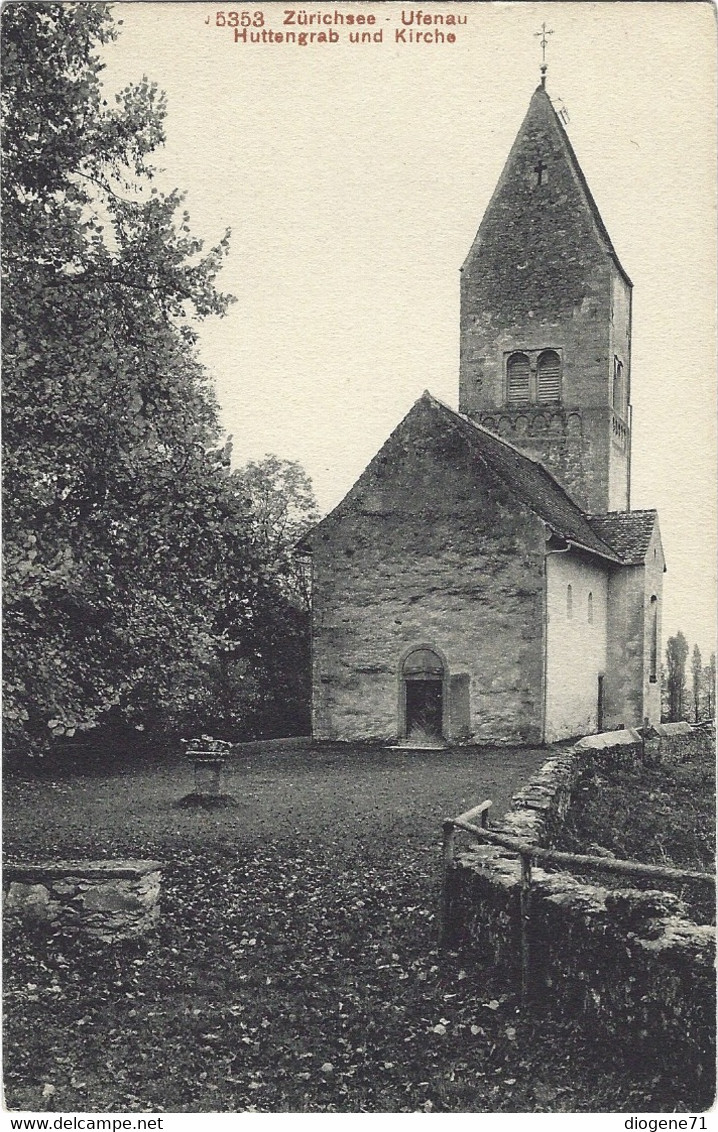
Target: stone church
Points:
(485, 578)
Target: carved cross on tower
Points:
(544, 44)
(539, 170)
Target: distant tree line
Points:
(144, 581)
(688, 691)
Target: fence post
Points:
(447, 862)
(644, 729)
(525, 917)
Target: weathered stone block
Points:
(106, 900)
(626, 737)
(64, 888)
(30, 900)
(208, 776)
(634, 908)
(112, 896)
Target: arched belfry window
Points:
(653, 674)
(569, 602)
(590, 609)
(518, 374)
(548, 372)
(533, 377)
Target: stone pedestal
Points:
(209, 757)
(208, 775)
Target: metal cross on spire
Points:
(544, 44)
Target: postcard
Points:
(359, 420)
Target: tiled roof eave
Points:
(630, 532)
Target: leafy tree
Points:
(665, 703)
(676, 655)
(696, 680)
(709, 683)
(283, 507)
(119, 519)
(266, 676)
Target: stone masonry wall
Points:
(653, 586)
(620, 348)
(626, 630)
(106, 900)
(433, 553)
(628, 962)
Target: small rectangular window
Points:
(618, 395)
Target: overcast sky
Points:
(354, 178)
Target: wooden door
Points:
(424, 708)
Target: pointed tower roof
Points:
(542, 121)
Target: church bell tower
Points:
(546, 320)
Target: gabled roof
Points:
(628, 532)
(524, 476)
(541, 111)
(531, 482)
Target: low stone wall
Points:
(680, 742)
(630, 963)
(106, 900)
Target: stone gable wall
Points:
(576, 644)
(631, 696)
(431, 553)
(653, 584)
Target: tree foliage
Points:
(676, 656)
(709, 680)
(696, 681)
(283, 508)
(266, 674)
(132, 566)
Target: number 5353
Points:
(253, 19)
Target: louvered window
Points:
(549, 376)
(533, 377)
(518, 374)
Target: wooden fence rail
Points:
(528, 854)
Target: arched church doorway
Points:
(423, 685)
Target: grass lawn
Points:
(296, 967)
